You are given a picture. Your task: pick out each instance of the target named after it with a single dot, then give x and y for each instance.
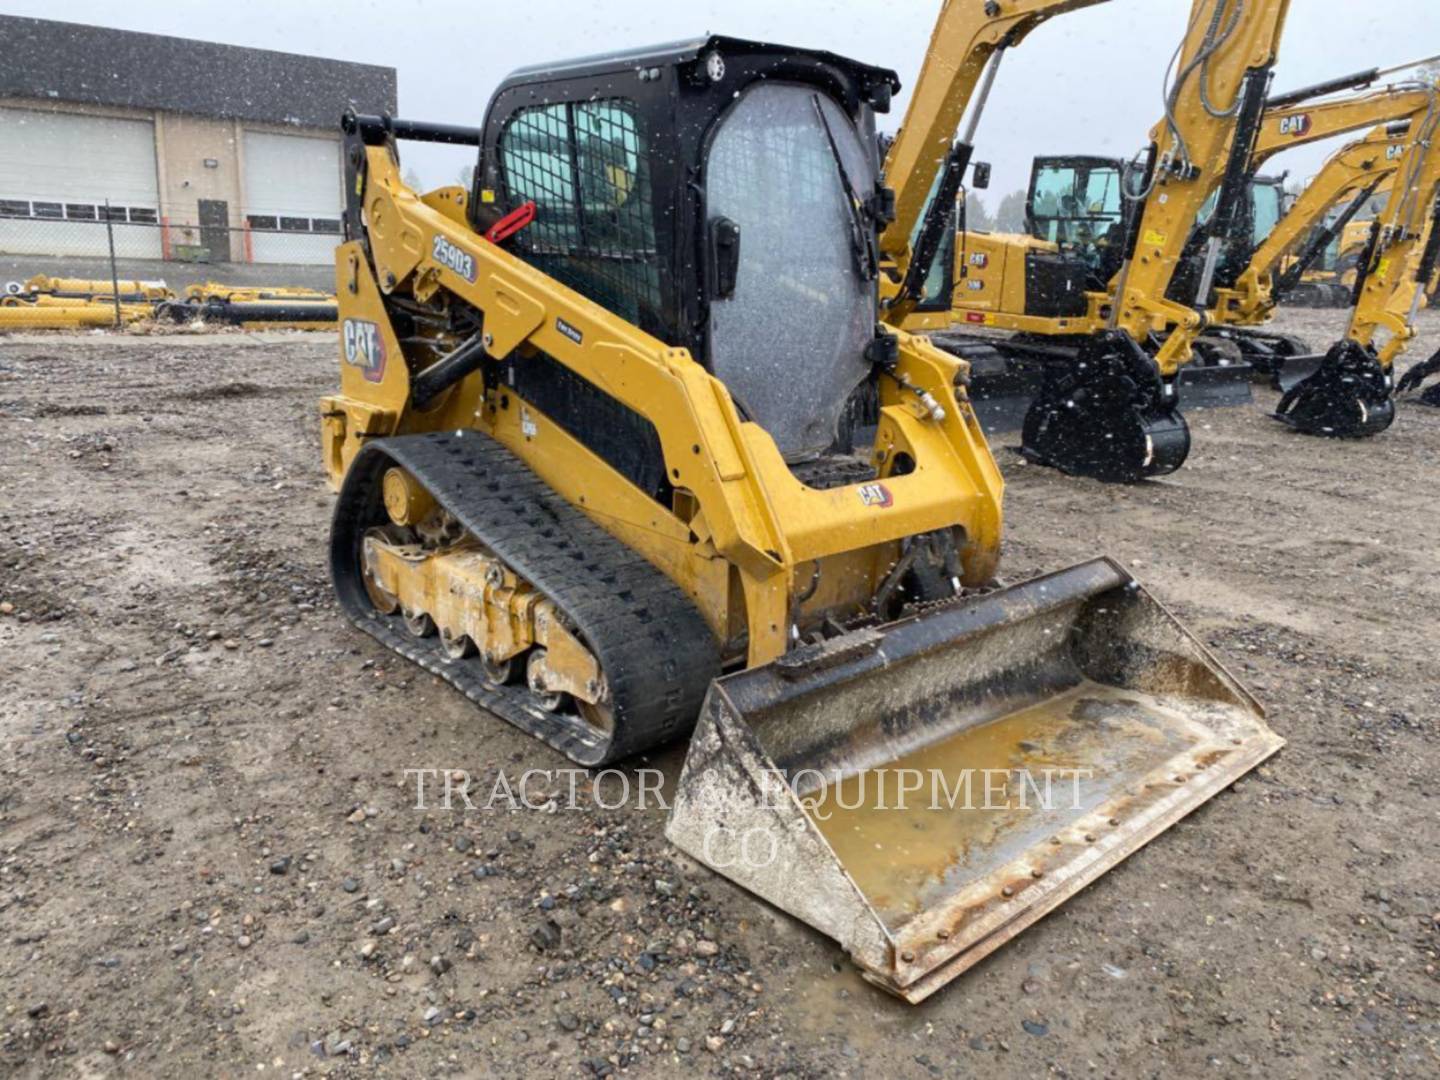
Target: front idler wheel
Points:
(1348, 396)
(1109, 416)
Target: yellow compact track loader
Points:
(598, 469)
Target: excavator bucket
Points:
(923, 791)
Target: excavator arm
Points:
(960, 65)
(1355, 172)
(1350, 394)
(1353, 175)
(1205, 143)
(1293, 120)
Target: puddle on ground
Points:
(906, 851)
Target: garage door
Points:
(56, 172)
(292, 196)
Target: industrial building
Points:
(204, 152)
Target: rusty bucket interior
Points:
(924, 790)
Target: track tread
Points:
(656, 650)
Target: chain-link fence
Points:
(65, 239)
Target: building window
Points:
(14, 208)
(80, 211)
(112, 213)
(325, 225)
(142, 215)
(294, 224)
(49, 210)
(263, 222)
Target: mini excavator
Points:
(1107, 406)
(1351, 394)
(598, 469)
(1286, 263)
(1055, 282)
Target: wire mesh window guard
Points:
(586, 166)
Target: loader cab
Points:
(717, 194)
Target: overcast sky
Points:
(1086, 82)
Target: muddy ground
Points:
(210, 863)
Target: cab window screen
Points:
(586, 166)
(1075, 205)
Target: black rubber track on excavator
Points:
(655, 649)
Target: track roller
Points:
(450, 551)
(1109, 415)
(1348, 396)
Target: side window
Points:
(942, 270)
(1053, 186)
(586, 166)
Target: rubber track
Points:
(654, 647)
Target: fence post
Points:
(114, 274)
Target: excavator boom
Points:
(965, 49)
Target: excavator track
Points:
(655, 650)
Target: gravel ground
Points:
(210, 863)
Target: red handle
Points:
(511, 223)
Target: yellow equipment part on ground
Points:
(214, 290)
(57, 313)
(256, 307)
(133, 291)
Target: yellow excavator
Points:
(597, 468)
(1280, 266)
(1107, 406)
(1054, 287)
(1350, 395)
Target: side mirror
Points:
(724, 257)
(981, 179)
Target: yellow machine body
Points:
(745, 536)
(472, 518)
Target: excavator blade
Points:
(1003, 385)
(923, 791)
(1294, 370)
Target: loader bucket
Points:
(800, 782)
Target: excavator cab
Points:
(1076, 203)
(1260, 209)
